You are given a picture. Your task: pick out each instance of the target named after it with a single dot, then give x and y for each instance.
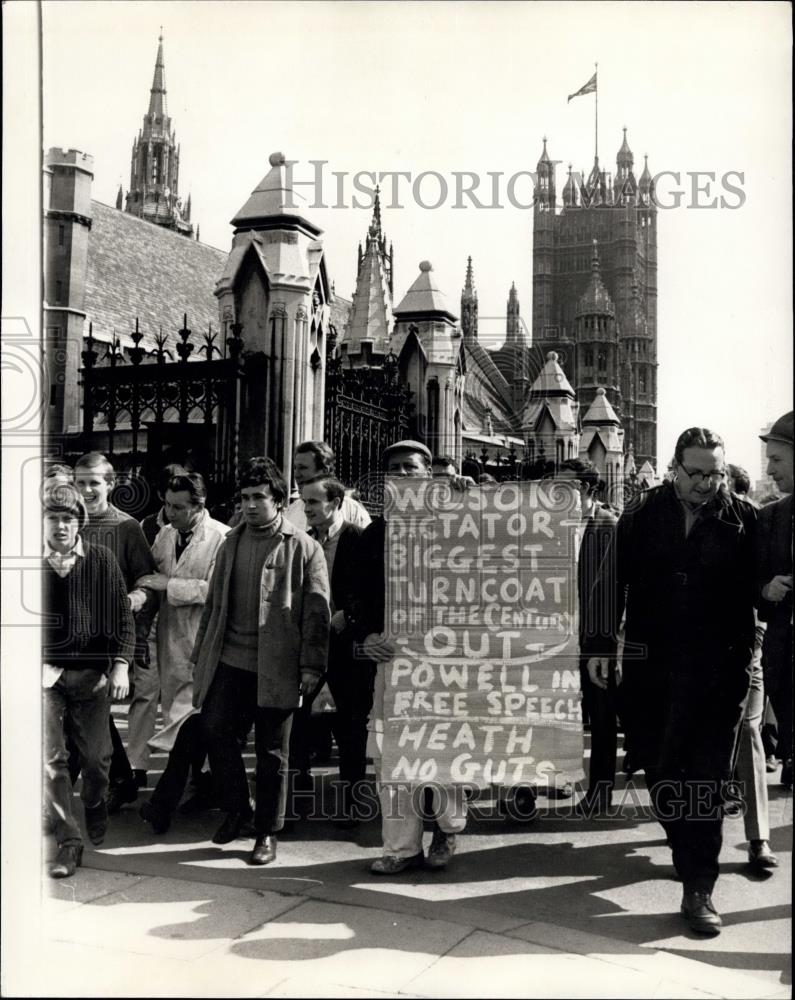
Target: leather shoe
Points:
(700, 913)
(760, 856)
(156, 817)
(232, 826)
(771, 763)
(441, 850)
(564, 791)
(121, 792)
(264, 851)
(67, 861)
(391, 865)
(96, 822)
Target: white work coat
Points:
(181, 606)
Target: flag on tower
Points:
(588, 88)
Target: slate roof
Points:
(136, 268)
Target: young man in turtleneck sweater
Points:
(262, 642)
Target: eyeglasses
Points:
(697, 476)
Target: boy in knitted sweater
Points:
(87, 645)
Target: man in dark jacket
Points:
(350, 681)
(601, 704)
(774, 573)
(87, 645)
(683, 559)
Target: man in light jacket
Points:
(184, 550)
(262, 643)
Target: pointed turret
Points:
(545, 189)
(272, 204)
(646, 184)
(602, 442)
(157, 96)
(625, 157)
(154, 168)
(570, 192)
(469, 305)
(369, 327)
(187, 209)
(514, 333)
(550, 418)
(595, 300)
(119, 197)
(626, 186)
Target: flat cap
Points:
(781, 430)
(407, 445)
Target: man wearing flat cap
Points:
(774, 576)
(401, 825)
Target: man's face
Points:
(304, 467)
(779, 464)
(443, 470)
(700, 474)
(60, 531)
(95, 486)
(407, 463)
(258, 505)
(582, 499)
(181, 512)
(319, 511)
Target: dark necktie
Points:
(183, 537)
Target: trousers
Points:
(402, 814)
(188, 753)
(230, 703)
(81, 698)
(750, 768)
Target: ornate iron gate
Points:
(151, 395)
(367, 409)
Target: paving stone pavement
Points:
(558, 907)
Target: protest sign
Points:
(482, 607)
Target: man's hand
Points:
(598, 667)
(137, 599)
(377, 647)
(777, 589)
(462, 482)
(338, 621)
(119, 680)
(154, 581)
(308, 682)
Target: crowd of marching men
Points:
(224, 624)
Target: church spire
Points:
(154, 167)
(157, 96)
(469, 305)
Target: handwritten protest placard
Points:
(482, 606)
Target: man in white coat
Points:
(185, 551)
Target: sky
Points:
(474, 87)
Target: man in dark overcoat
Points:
(774, 573)
(683, 565)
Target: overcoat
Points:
(774, 558)
(293, 617)
(179, 615)
(689, 626)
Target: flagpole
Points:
(596, 113)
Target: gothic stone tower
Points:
(154, 169)
(622, 217)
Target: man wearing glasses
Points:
(682, 563)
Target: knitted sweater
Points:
(88, 619)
